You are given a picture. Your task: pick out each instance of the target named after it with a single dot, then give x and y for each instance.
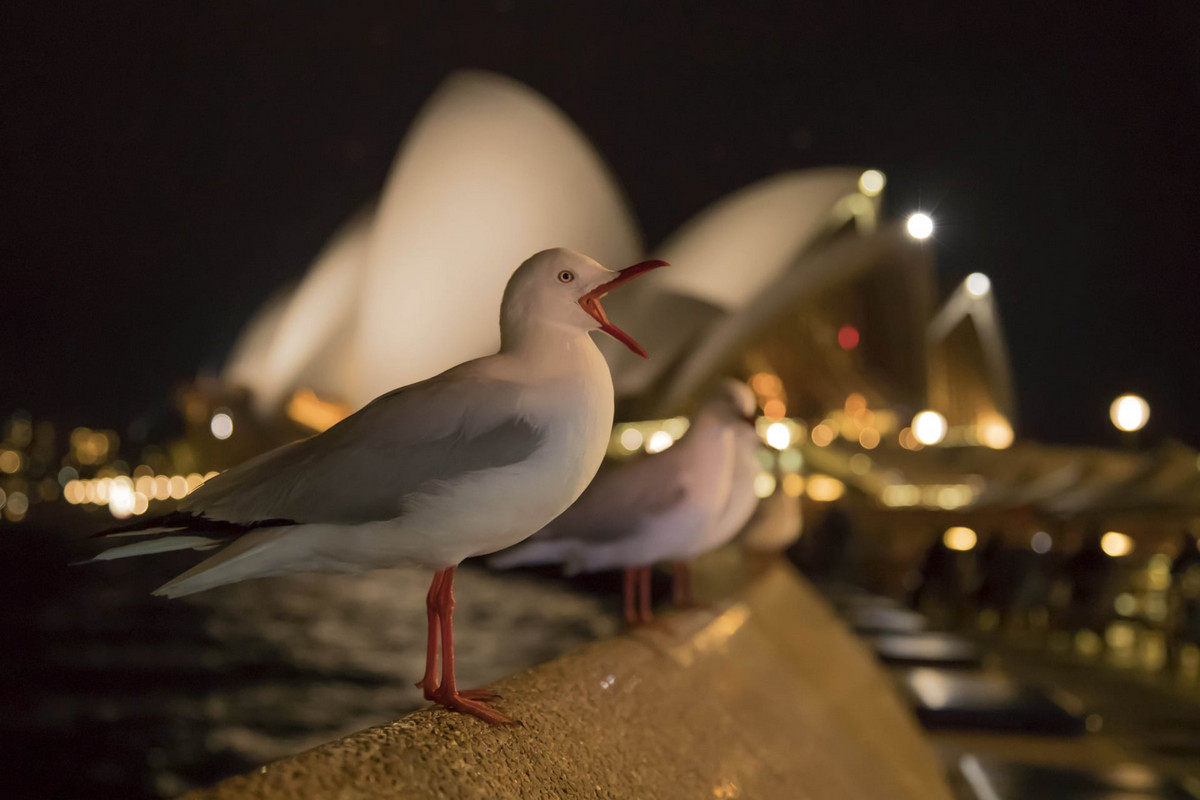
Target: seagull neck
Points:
(544, 341)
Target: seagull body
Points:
(465, 463)
(672, 506)
(775, 525)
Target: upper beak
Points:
(590, 302)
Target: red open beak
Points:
(590, 302)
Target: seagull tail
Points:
(247, 557)
(531, 554)
(165, 544)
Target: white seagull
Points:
(673, 506)
(463, 464)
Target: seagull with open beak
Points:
(463, 464)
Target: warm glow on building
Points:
(995, 432)
(824, 488)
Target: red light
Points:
(848, 337)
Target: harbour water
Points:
(109, 691)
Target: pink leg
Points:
(645, 615)
(447, 694)
(681, 586)
(630, 589)
(430, 682)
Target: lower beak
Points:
(590, 303)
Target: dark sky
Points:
(164, 167)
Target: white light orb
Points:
(1129, 413)
(929, 427)
(1041, 542)
(778, 435)
(659, 441)
(221, 425)
(871, 182)
(920, 226)
(978, 284)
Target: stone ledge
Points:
(766, 695)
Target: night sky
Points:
(165, 167)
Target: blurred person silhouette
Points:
(1090, 575)
(825, 553)
(941, 583)
(997, 581)
(1183, 600)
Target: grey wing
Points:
(370, 464)
(621, 499)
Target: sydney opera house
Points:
(796, 283)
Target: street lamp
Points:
(920, 226)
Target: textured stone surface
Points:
(763, 696)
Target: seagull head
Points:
(732, 400)
(563, 287)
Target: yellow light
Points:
(1129, 413)
(920, 226)
(3, 498)
(908, 441)
(793, 485)
(774, 408)
(631, 439)
(868, 438)
(121, 497)
(778, 435)
(208, 476)
(17, 504)
(995, 432)
(855, 403)
(765, 384)
(871, 182)
(145, 485)
(141, 503)
(221, 425)
(823, 488)
(178, 487)
(194, 479)
(676, 426)
(929, 427)
(959, 538)
(1116, 544)
(74, 492)
(659, 441)
(10, 461)
(901, 495)
(162, 487)
(764, 484)
(953, 496)
(978, 284)
(103, 487)
(821, 435)
(860, 463)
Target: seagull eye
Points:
(566, 276)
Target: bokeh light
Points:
(920, 226)
(1129, 413)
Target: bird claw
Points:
(472, 701)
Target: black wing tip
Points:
(187, 521)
